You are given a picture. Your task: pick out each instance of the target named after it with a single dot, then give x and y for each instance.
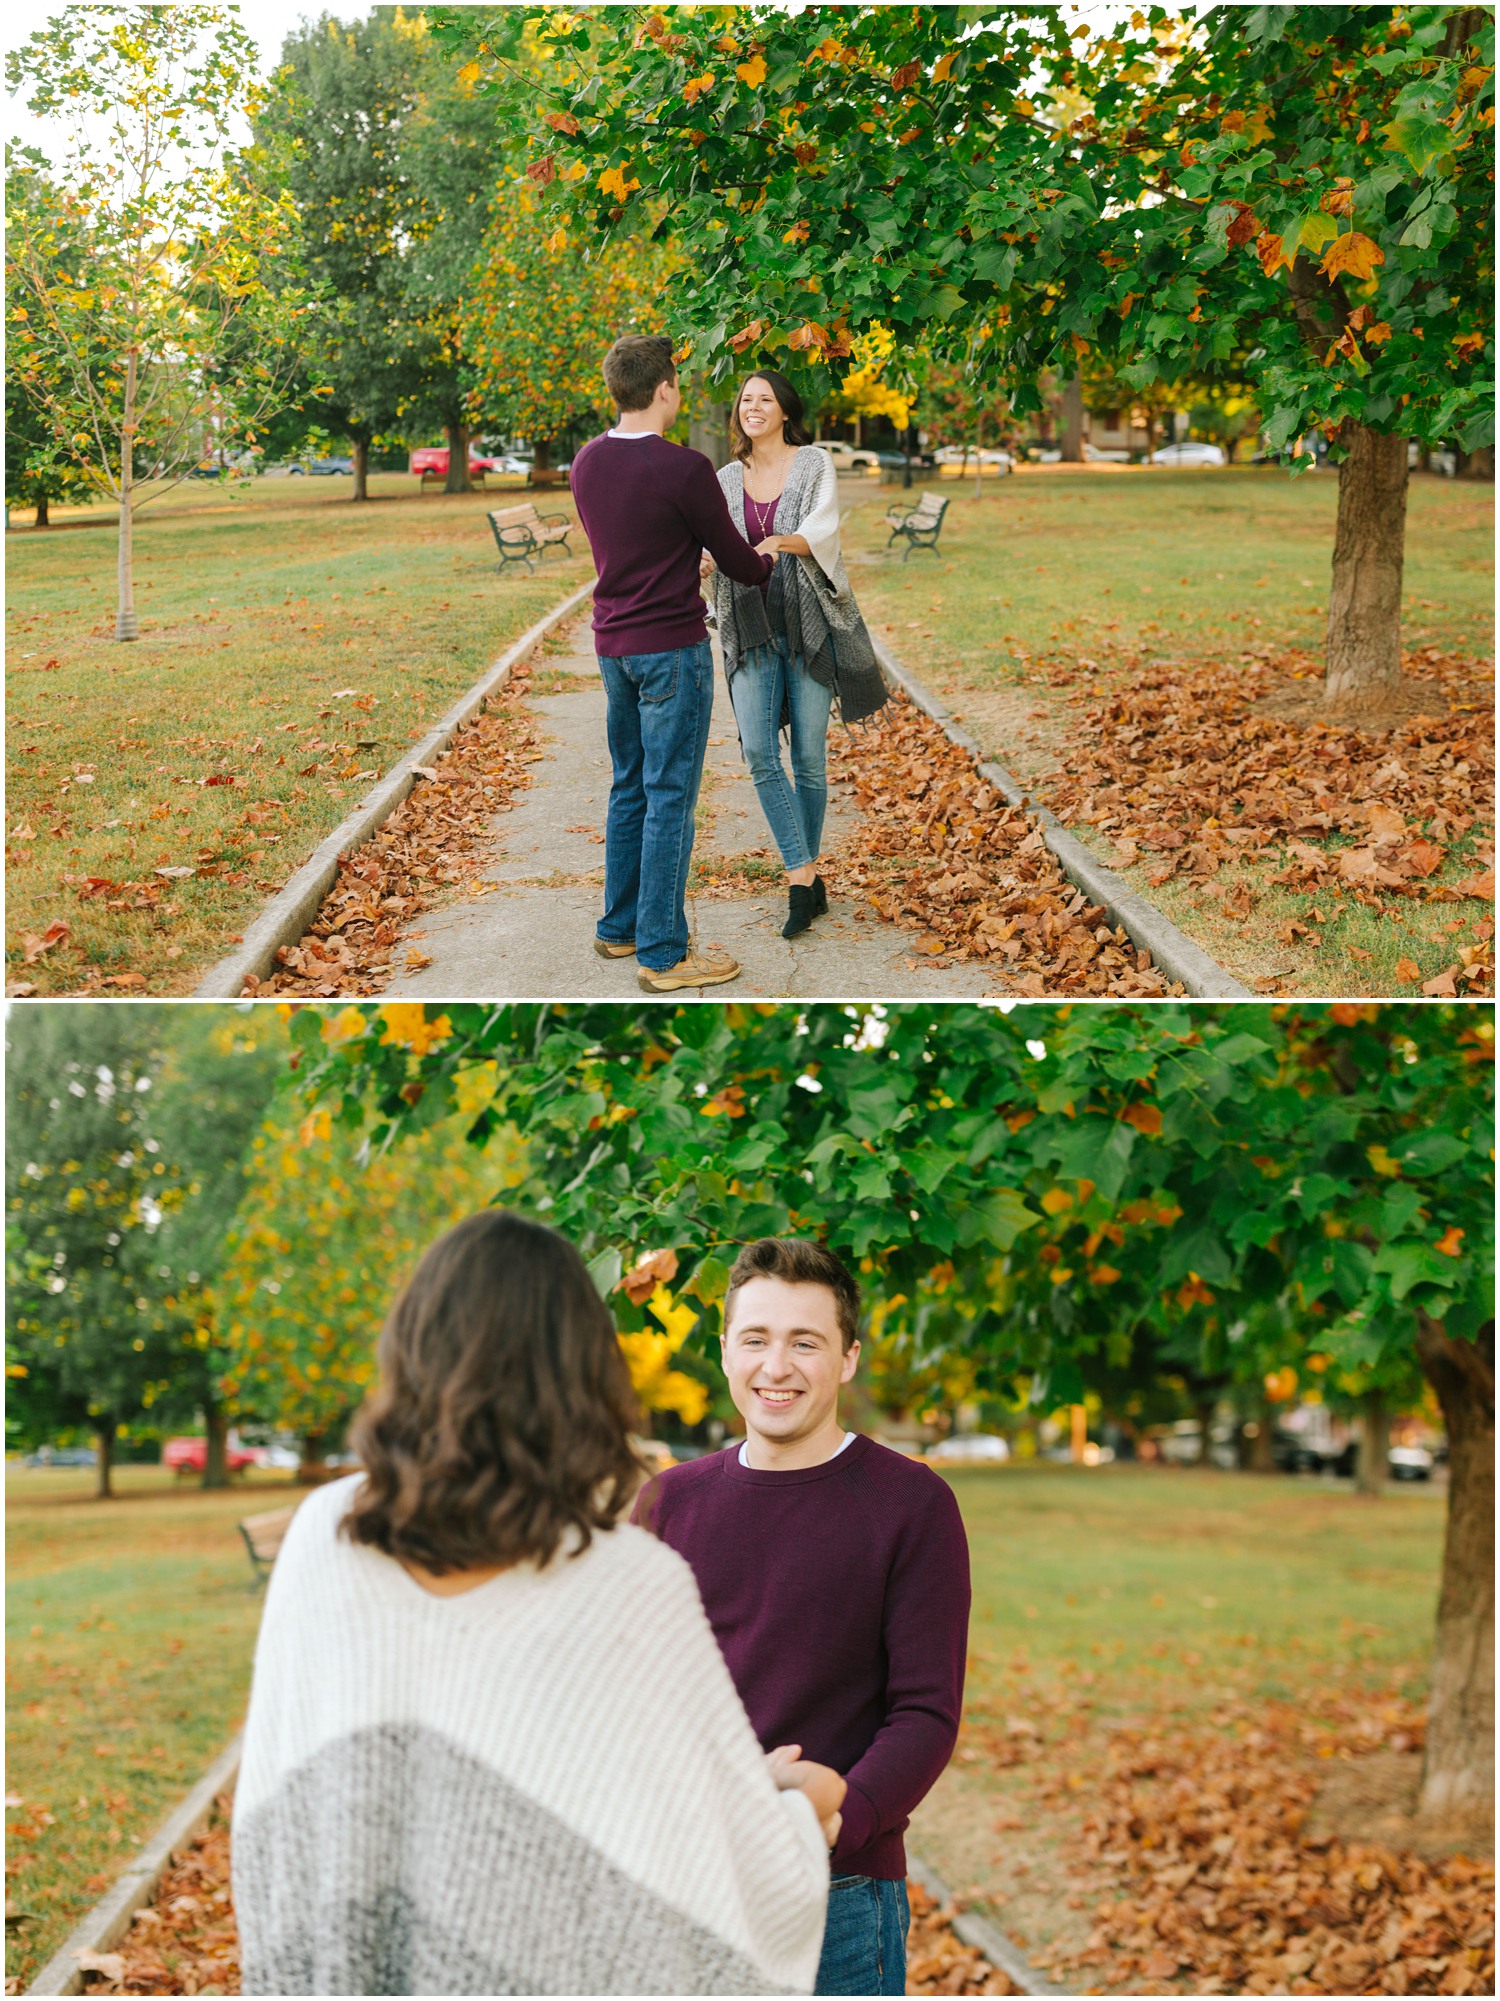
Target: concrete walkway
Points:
(530, 937)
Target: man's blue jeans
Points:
(794, 812)
(659, 710)
(864, 1941)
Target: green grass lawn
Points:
(1057, 581)
(130, 1631)
(291, 643)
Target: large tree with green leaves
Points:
(1072, 1175)
(93, 1340)
(152, 330)
(1310, 186)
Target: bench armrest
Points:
(552, 519)
(515, 538)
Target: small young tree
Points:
(144, 254)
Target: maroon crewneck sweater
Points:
(839, 1596)
(649, 510)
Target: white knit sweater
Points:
(544, 1785)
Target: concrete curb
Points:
(1171, 950)
(294, 906)
(982, 1935)
(107, 1923)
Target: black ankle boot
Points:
(802, 908)
(820, 891)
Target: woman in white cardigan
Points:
(492, 1746)
(794, 644)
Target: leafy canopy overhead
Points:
(1326, 1169)
(1313, 184)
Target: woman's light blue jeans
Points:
(794, 811)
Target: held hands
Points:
(706, 565)
(770, 547)
(824, 1786)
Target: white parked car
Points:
(955, 455)
(971, 1448)
(1190, 453)
(1409, 1462)
(849, 458)
(1098, 455)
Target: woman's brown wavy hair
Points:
(503, 1414)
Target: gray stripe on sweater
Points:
(394, 1863)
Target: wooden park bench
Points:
(521, 533)
(264, 1535)
(437, 476)
(921, 525)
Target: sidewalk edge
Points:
(1171, 950)
(107, 1923)
(296, 903)
(974, 1930)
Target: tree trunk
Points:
(1150, 435)
(1478, 464)
(1204, 1410)
(1458, 1775)
(1374, 1444)
(362, 469)
(216, 1458)
(708, 426)
(541, 455)
(1072, 421)
(41, 520)
(457, 435)
(978, 472)
(1364, 607)
(312, 1469)
(104, 1439)
(125, 619)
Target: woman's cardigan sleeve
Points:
(820, 525)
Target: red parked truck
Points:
(190, 1455)
(430, 462)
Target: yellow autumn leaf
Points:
(1056, 1200)
(695, 86)
(469, 73)
(1381, 1161)
(679, 1321)
(613, 182)
(796, 234)
(752, 72)
(943, 69)
(348, 1023)
(1355, 254)
(557, 241)
(406, 1025)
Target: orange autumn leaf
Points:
(695, 86)
(1271, 251)
(1408, 970)
(1145, 1118)
(1358, 256)
(638, 1284)
(1450, 1242)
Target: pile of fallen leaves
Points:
(1223, 1888)
(942, 853)
(185, 1941)
(937, 1962)
(416, 854)
(1198, 771)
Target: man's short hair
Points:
(798, 1261)
(634, 368)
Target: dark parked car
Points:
(322, 467)
(896, 461)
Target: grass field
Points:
(1058, 581)
(130, 1631)
(292, 647)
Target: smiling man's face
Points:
(785, 1361)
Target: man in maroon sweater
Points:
(650, 509)
(835, 1574)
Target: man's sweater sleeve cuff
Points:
(861, 1821)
